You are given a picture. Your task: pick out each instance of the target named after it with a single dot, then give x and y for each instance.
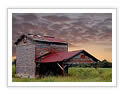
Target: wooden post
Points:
(96, 66)
(63, 69)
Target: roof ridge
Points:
(38, 37)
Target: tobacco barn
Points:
(38, 56)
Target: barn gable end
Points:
(80, 58)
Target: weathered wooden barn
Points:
(37, 56)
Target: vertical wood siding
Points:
(25, 65)
(43, 48)
(81, 58)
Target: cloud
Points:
(57, 18)
(25, 16)
(108, 49)
(29, 17)
(56, 26)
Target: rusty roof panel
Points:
(59, 56)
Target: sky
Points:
(89, 31)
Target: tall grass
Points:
(92, 75)
(74, 75)
(13, 71)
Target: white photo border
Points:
(63, 10)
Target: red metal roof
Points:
(59, 56)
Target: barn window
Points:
(83, 56)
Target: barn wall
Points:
(81, 58)
(43, 48)
(25, 65)
(59, 48)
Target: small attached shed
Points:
(57, 63)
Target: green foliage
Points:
(13, 70)
(14, 62)
(101, 64)
(74, 75)
(104, 64)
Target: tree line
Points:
(101, 64)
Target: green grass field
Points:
(74, 75)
